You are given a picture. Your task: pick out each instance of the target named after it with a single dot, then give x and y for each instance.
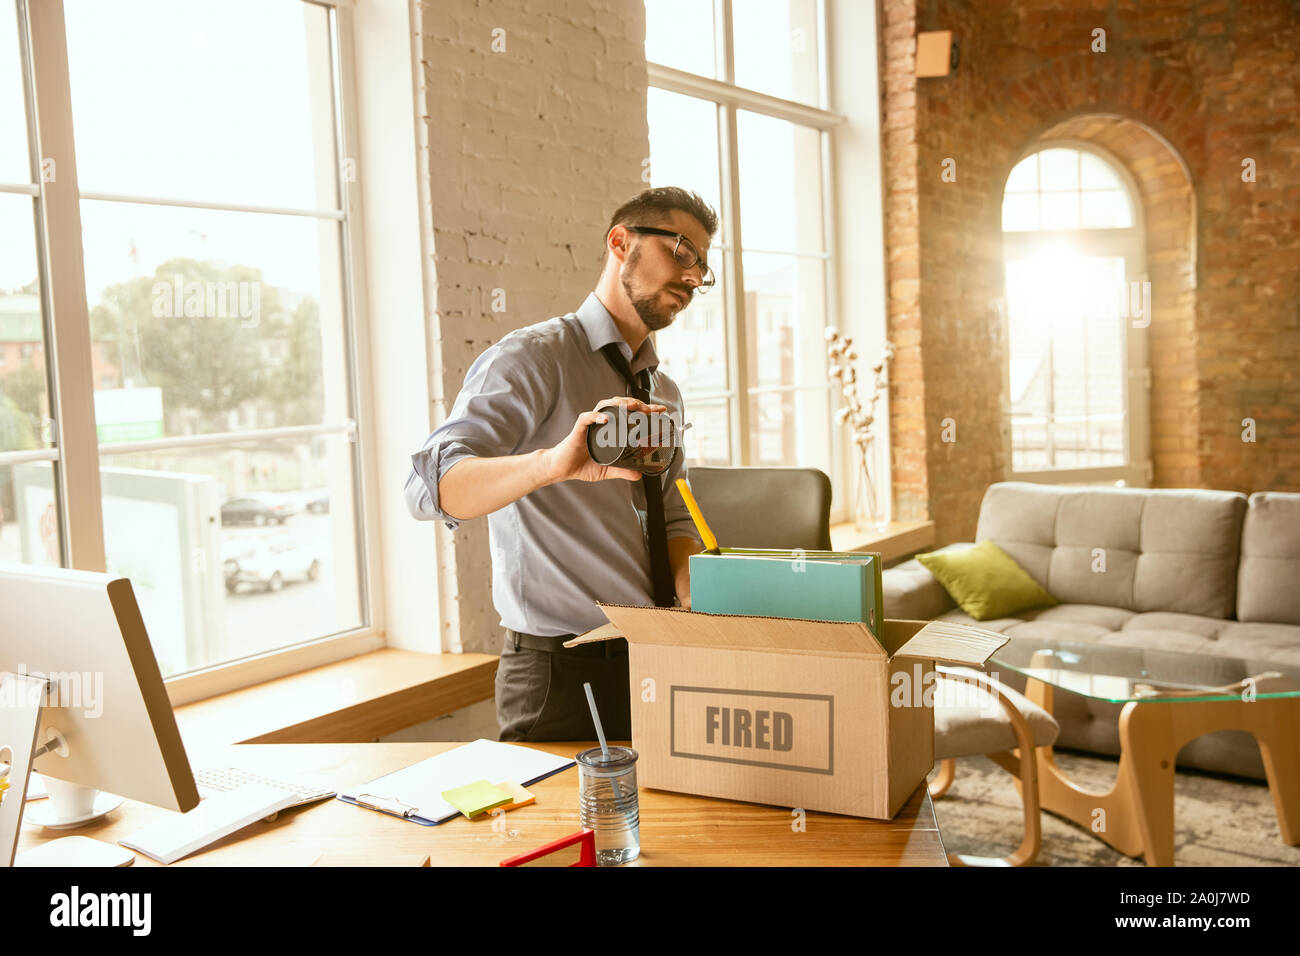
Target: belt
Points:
(555, 645)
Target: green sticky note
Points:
(474, 798)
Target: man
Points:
(566, 532)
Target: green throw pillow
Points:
(985, 581)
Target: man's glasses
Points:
(684, 254)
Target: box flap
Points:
(679, 626)
(606, 632)
(950, 642)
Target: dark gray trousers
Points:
(539, 694)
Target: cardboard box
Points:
(796, 713)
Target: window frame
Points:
(1130, 244)
(729, 99)
(75, 450)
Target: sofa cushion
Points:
(1133, 548)
(1100, 619)
(1071, 622)
(1270, 559)
(1112, 618)
(985, 581)
(911, 593)
(1190, 544)
(1098, 534)
(1167, 631)
(1260, 644)
(1181, 642)
(1205, 627)
(958, 616)
(1021, 518)
(1053, 632)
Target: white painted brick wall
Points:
(530, 151)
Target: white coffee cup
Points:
(70, 801)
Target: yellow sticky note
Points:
(474, 798)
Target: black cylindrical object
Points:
(647, 442)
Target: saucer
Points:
(42, 813)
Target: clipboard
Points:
(391, 806)
(414, 793)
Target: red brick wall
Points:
(1195, 85)
(908, 424)
(961, 274)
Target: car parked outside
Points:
(267, 564)
(258, 510)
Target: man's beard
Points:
(648, 307)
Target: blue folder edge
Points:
(426, 822)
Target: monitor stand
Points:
(23, 698)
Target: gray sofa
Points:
(1206, 572)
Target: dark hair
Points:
(651, 208)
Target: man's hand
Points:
(679, 558)
(473, 487)
(570, 459)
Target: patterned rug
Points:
(1218, 820)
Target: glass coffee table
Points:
(1168, 698)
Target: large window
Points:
(736, 113)
(28, 443)
(1077, 307)
(204, 419)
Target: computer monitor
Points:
(106, 722)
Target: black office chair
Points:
(765, 507)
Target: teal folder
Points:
(815, 585)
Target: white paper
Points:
(422, 785)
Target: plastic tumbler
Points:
(607, 803)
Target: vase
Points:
(868, 513)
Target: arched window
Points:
(1078, 304)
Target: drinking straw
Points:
(595, 716)
(604, 747)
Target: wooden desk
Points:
(676, 830)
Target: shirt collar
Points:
(601, 330)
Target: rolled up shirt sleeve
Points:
(428, 465)
(507, 392)
(677, 519)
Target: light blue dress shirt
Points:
(559, 550)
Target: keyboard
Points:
(177, 835)
(213, 780)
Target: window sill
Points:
(357, 700)
(898, 539)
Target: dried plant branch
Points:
(857, 413)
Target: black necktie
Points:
(661, 572)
